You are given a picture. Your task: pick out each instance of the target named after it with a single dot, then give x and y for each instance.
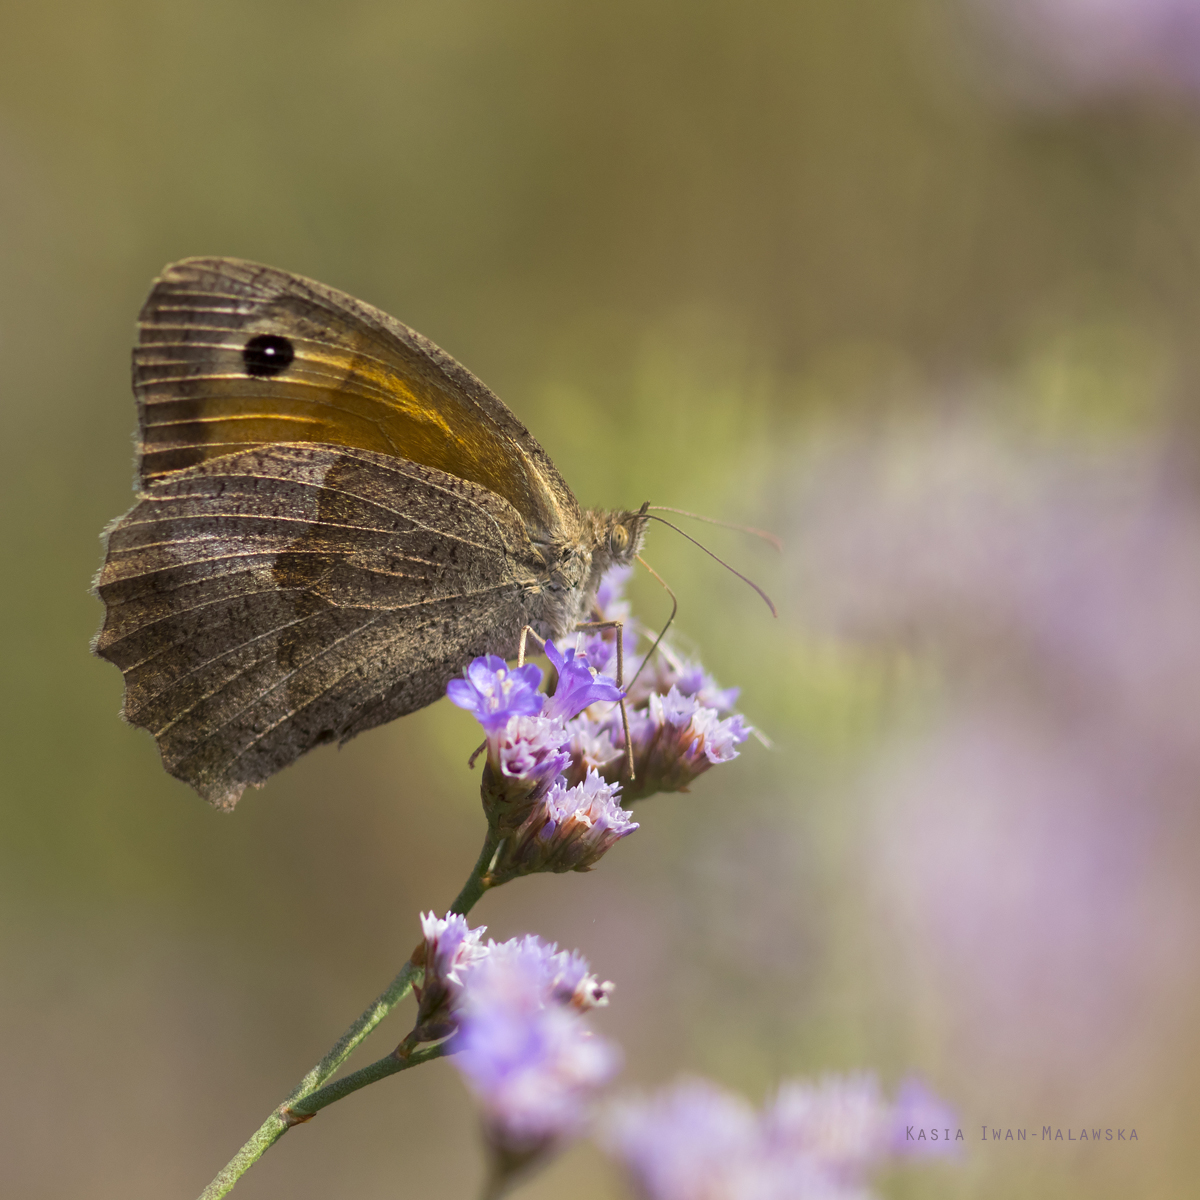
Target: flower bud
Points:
(451, 949)
(568, 829)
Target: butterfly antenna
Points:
(770, 604)
(670, 619)
(759, 533)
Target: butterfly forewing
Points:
(232, 354)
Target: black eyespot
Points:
(267, 355)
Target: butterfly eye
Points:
(267, 355)
(618, 539)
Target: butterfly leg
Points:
(525, 632)
(619, 626)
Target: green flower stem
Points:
(478, 881)
(276, 1125)
(385, 1066)
(292, 1111)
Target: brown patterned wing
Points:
(233, 354)
(266, 601)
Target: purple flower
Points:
(577, 687)
(494, 691)
(675, 738)
(666, 671)
(600, 651)
(691, 1140)
(565, 975)
(921, 1123)
(1100, 47)
(591, 746)
(843, 1123)
(694, 1141)
(692, 680)
(579, 824)
(568, 829)
(533, 742)
(600, 647)
(610, 595)
(523, 759)
(530, 1059)
(532, 749)
(451, 949)
(719, 739)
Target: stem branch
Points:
(388, 1065)
(310, 1096)
(276, 1125)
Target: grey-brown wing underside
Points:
(265, 602)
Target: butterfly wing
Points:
(335, 517)
(264, 602)
(232, 354)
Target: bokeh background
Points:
(914, 283)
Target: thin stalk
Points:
(477, 882)
(381, 1069)
(292, 1111)
(276, 1125)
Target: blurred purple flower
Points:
(452, 951)
(494, 691)
(610, 595)
(694, 1141)
(600, 647)
(693, 680)
(1056, 592)
(842, 1122)
(1097, 47)
(565, 975)
(845, 1124)
(666, 671)
(530, 1059)
(600, 651)
(918, 1110)
(577, 688)
(691, 1141)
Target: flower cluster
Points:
(569, 830)
(542, 820)
(695, 1140)
(522, 1043)
(452, 952)
(681, 724)
(573, 745)
(678, 727)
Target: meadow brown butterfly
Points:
(333, 519)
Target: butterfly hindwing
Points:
(266, 601)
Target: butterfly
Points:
(333, 518)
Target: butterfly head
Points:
(619, 537)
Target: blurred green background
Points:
(684, 241)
